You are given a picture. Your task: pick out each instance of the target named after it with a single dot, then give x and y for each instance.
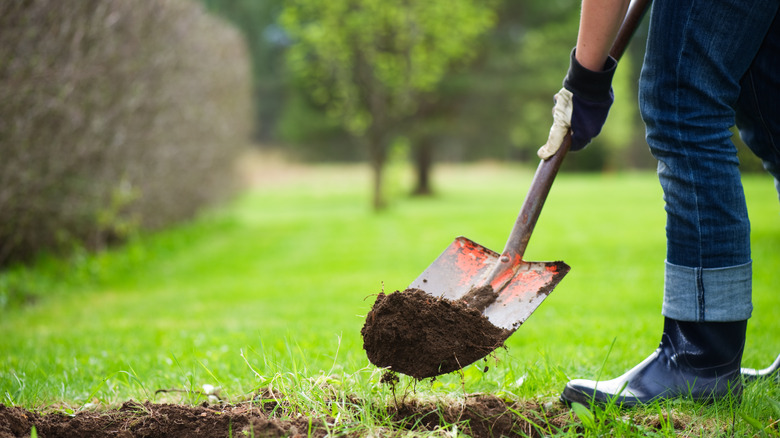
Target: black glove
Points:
(591, 99)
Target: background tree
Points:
(498, 107)
(367, 62)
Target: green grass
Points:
(270, 292)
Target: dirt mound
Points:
(422, 336)
(479, 416)
(482, 415)
(157, 420)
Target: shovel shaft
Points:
(548, 169)
(534, 200)
(636, 11)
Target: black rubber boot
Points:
(699, 360)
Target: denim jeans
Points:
(710, 64)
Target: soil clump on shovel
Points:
(422, 336)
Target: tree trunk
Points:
(377, 156)
(423, 161)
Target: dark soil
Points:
(157, 420)
(413, 333)
(482, 415)
(480, 298)
(477, 415)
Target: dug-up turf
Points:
(413, 333)
(479, 416)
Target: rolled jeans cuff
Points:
(708, 294)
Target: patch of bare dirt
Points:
(151, 420)
(482, 416)
(479, 416)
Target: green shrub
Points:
(114, 115)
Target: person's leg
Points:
(697, 52)
(758, 108)
(690, 86)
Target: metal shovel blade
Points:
(466, 265)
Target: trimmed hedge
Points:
(115, 115)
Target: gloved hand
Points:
(582, 105)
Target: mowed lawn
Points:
(271, 289)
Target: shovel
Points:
(503, 287)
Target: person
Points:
(709, 65)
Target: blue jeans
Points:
(710, 64)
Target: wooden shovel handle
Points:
(548, 169)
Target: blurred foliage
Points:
(114, 116)
(495, 106)
(363, 60)
(266, 42)
(369, 63)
